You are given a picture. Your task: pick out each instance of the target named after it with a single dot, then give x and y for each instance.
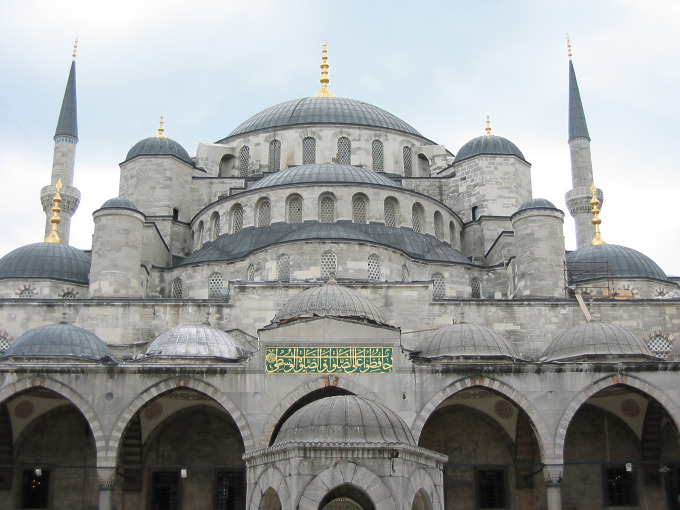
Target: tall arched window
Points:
(274, 155)
(390, 212)
(264, 213)
(244, 161)
(452, 234)
(408, 162)
(215, 284)
(250, 274)
(378, 156)
(308, 151)
(405, 276)
(438, 287)
(283, 268)
(227, 165)
(329, 265)
(438, 225)
(475, 289)
(373, 267)
(176, 288)
(295, 209)
(418, 218)
(215, 222)
(359, 209)
(236, 219)
(423, 166)
(199, 235)
(344, 151)
(327, 209)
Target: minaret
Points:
(63, 161)
(578, 199)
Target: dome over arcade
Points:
(119, 203)
(329, 300)
(59, 341)
(536, 203)
(622, 262)
(488, 144)
(345, 419)
(595, 341)
(465, 341)
(196, 341)
(324, 173)
(48, 261)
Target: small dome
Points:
(491, 145)
(59, 341)
(594, 341)
(196, 341)
(537, 203)
(465, 341)
(345, 419)
(622, 262)
(53, 261)
(324, 173)
(119, 203)
(329, 300)
(158, 146)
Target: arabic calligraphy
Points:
(328, 360)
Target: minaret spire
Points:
(325, 80)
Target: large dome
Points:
(329, 300)
(196, 341)
(622, 263)
(345, 419)
(323, 110)
(488, 145)
(158, 146)
(465, 341)
(52, 261)
(324, 173)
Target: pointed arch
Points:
(270, 480)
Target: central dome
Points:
(324, 172)
(323, 110)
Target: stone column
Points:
(107, 484)
(553, 483)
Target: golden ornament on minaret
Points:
(55, 219)
(594, 203)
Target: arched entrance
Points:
(346, 497)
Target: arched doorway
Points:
(346, 497)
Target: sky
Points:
(441, 66)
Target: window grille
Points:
(27, 293)
(35, 489)
(329, 265)
(417, 219)
(390, 213)
(237, 219)
(295, 210)
(327, 212)
(251, 273)
(274, 155)
(359, 210)
(177, 288)
(165, 490)
(619, 490)
(4, 345)
(230, 490)
(244, 161)
(373, 268)
(378, 156)
(308, 151)
(408, 162)
(68, 295)
(216, 226)
(283, 268)
(659, 346)
(344, 151)
(404, 273)
(264, 214)
(438, 225)
(215, 283)
(491, 488)
(476, 288)
(439, 289)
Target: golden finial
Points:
(160, 129)
(569, 46)
(75, 47)
(488, 127)
(55, 219)
(594, 203)
(324, 92)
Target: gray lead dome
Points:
(196, 340)
(622, 263)
(326, 173)
(491, 145)
(158, 146)
(465, 341)
(53, 261)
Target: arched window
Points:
(423, 166)
(283, 268)
(405, 276)
(408, 162)
(660, 346)
(329, 265)
(327, 209)
(418, 218)
(295, 209)
(390, 212)
(308, 151)
(199, 235)
(264, 213)
(438, 226)
(274, 155)
(475, 213)
(215, 222)
(244, 161)
(438, 287)
(68, 295)
(27, 293)
(359, 209)
(344, 151)
(237, 219)
(452, 234)
(373, 268)
(227, 165)
(215, 283)
(250, 274)
(475, 289)
(378, 156)
(176, 288)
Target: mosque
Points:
(326, 310)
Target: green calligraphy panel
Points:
(328, 360)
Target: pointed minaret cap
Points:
(324, 92)
(67, 125)
(577, 118)
(55, 219)
(594, 203)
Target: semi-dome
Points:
(329, 300)
(59, 341)
(53, 261)
(536, 203)
(119, 203)
(488, 145)
(158, 146)
(595, 341)
(323, 110)
(324, 173)
(622, 263)
(196, 341)
(345, 419)
(465, 341)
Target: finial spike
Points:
(569, 46)
(594, 203)
(488, 127)
(161, 130)
(75, 48)
(325, 80)
(55, 219)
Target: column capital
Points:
(106, 477)
(552, 473)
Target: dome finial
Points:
(324, 92)
(75, 47)
(488, 127)
(160, 129)
(55, 219)
(569, 46)
(594, 202)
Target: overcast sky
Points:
(207, 66)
